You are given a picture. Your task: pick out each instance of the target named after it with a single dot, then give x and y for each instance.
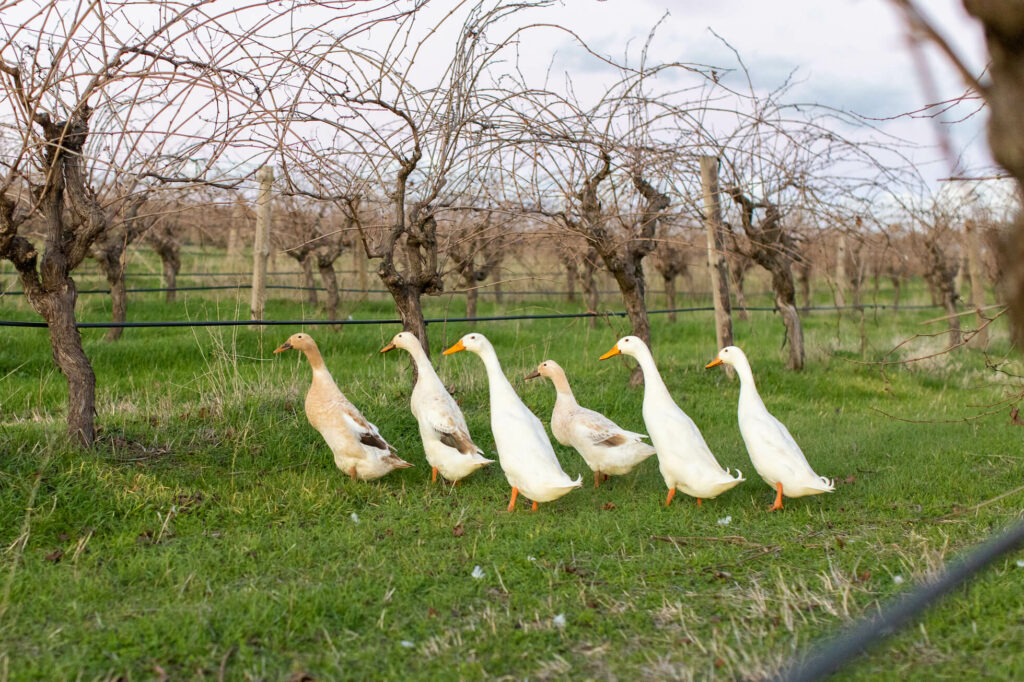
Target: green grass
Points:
(208, 530)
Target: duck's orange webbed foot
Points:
(778, 499)
(512, 502)
(671, 494)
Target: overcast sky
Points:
(851, 54)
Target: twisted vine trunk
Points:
(738, 271)
(941, 275)
(571, 275)
(330, 280)
(771, 248)
(785, 302)
(472, 294)
(171, 267)
(111, 261)
(590, 290)
(803, 273)
(57, 308)
(670, 296)
(309, 279)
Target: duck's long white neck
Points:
(654, 385)
(498, 384)
(748, 390)
(424, 370)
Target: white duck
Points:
(773, 451)
(446, 441)
(358, 447)
(685, 460)
(524, 451)
(604, 445)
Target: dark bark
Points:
(309, 279)
(330, 280)
(110, 261)
(110, 250)
(477, 251)
(57, 308)
(623, 258)
(670, 295)
(471, 297)
(571, 275)
(771, 248)
(670, 262)
(69, 234)
(738, 267)
(590, 284)
(940, 273)
(896, 283)
(166, 245)
(1004, 36)
(803, 275)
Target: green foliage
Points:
(208, 531)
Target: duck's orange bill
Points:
(455, 349)
(284, 346)
(713, 363)
(614, 351)
(388, 347)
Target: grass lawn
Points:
(209, 535)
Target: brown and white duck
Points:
(359, 450)
(606, 447)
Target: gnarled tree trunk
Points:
(166, 245)
(330, 280)
(309, 279)
(50, 289)
(940, 272)
(770, 248)
(669, 283)
(57, 308)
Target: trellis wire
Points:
(433, 320)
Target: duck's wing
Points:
(363, 429)
(593, 427)
(776, 440)
(446, 420)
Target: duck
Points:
(604, 445)
(448, 447)
(359, 449)
(525, 453)
(686, 462)
(773, 450)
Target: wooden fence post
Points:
(261, 246)
(980, 339)
(717, 265)
(841, 277)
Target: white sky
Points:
(851, 54)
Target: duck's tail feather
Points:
(739, 475)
